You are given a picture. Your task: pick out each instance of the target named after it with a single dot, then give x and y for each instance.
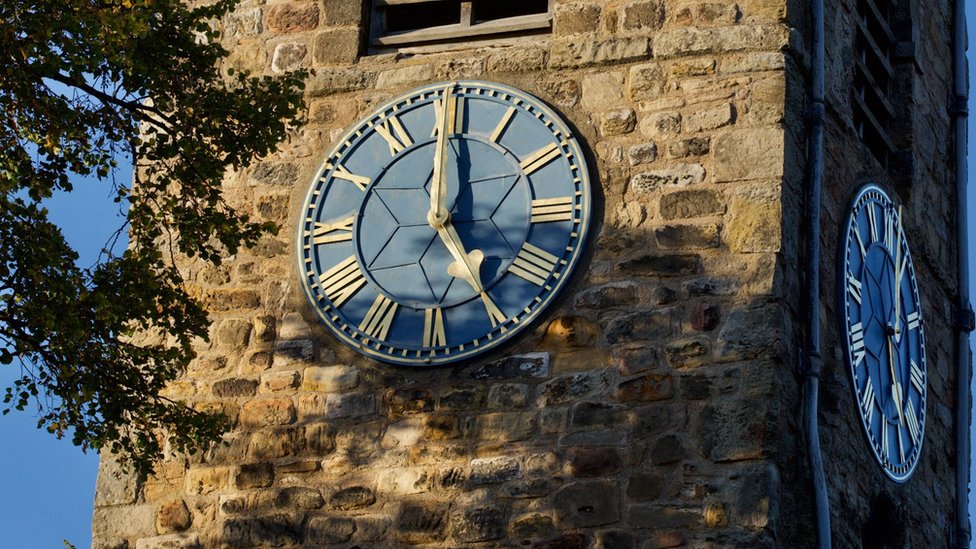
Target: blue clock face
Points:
(443, 223)
(883, 331)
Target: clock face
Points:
(443, 223)
(882, 327)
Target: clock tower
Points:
(584, 274)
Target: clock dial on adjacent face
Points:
(883, 331)
(443, 223)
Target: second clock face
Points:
(885, 338)
(443, 223)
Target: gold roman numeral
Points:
(890, 229)
(872, 221)
(917, 378)
(912, 421)
(342, 281)
(860, 243)
(495, 315)
(533, 264)
(341, 172)
(434, 328)
(458, 122)
(540, 158)
(395, 135)
(867, 402)
(857, 343)
(545, 210)
(336, 231)
(913, 320)
(854, 287)
(502, 125)
(379, 318)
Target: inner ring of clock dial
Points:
(488, 200)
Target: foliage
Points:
(83, 82)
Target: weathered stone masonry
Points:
(655, 405)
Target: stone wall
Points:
(653, 406)
(866, 506)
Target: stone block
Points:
(752, 153)
(462, 398)
(661, 265)
(640, 327)
(526, 366)
(352, 498)
(441, 427)
(687, 352)
(418, 523)
(173, 517)
(614, 294)
(698, 41)
(330, 530)
(565, 92)
(575, 18)
(115, 484)
(715, 516)
(530, 526)
(404, 76)
(408, 400)
(737, 429)
(705, 316)
(596, 414)
(201, 481)
(661, 125)
(343, 12)
(594, 462)
(709, 119)
(646, 388)
(667, 449)
(603, 437)
(293, 352)
(505, 427)
(404, 481)
(232, 334)
(285, 18)
(288, 56)
(466, 68)
(693, 67)
(691, 203)
(711, 286)
(320, 438)
(507, 396)
(618, 121)
(689, 237)
(479, 524)
(494, 470)
(645, 486)
(574, 53)
(587, 503)
(331, 80)
(372, 528)
(330, 379)
(274, 173)
(642, 153)
(299, 497)
(567, 388)
(243, 23)
(254, 475)
(602, 90)
(748, 333)
(350, 405)
(564, 541)
(264, 412)
(693, 146)
(676, 176)
(646, 81)
(234, 387)
(272, 530)
(756, 224)
(280, 381)
(642, 15)
(520, 59)
(273, 443)
(338, 46)
(616, 539)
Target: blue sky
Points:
(49, 484)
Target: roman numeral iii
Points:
(545, 210)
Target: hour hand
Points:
(466, 265)
(439, 214)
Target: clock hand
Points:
(466, 265)
(898, 273)
(895, 386)
(438, 213)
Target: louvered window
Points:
(874, 76)
(398, 23)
